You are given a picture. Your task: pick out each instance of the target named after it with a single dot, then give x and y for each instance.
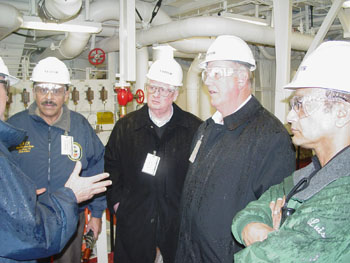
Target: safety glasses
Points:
(306, 105)
(55, 89)
(163, 91)
(218, 73)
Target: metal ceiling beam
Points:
(326, 24)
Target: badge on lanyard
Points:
(66, 145)
(195, 150)
(151, 164)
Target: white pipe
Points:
(215, 26)
(100, 11)
(141, 68)
(62, 9)
(193, 84)
(25, 7)
(10, 20)
(69, 47)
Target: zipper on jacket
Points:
(49, 159)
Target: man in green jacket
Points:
(306, 217)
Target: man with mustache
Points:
(57, 139)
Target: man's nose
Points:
(292, 116)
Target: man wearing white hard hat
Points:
(57, 139)
(310, 220)
(147, 157)
(238, 153)
(29, 228)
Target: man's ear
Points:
(242, 79)
(176, 93)
(343, 114)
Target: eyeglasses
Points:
(306, 105)
(54, 89)
(217, 73)
(5, 81)
(163, 91)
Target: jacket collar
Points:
(62, 123)
(11, 136)
(143, 119)
(337, 167)
(244, 114)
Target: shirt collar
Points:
(63, 122)
(160, 123)
(217, 116)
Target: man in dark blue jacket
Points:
(57, 139)
(30, 229)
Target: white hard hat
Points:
(167, 71)
(326, 67)
(51, 70)
(228, 47)
(5, 71)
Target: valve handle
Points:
(140, 96)
(97, 56)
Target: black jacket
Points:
(148, 202)
(236, 163)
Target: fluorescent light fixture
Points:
(346, 4)
(247, 19)
(34, 22)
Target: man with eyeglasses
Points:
(239, 153)
(147, 156)
(306, 217)
(32, 228)
(56, 139)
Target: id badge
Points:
(195, 150)
(151, 164)
(66, 145)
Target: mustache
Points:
(48, 103)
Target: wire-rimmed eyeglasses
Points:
(163, 91)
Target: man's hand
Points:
(95, 224)
(276, 212)
(254, 232)
(85, 188)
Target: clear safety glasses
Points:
(306, 105)
(55, 89)
(163, 91)
(217, 73)
(5, 81)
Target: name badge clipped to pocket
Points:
(66, 145)
(151, 164)
(195, 150)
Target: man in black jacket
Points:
(147, 156)
(239, 152)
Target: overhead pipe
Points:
(10, 19)
(101, 11)
(60, 10)
(215, 26)
(190, 36)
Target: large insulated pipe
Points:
(192, 35)
(215, 26)
(10, 20)
(101, 11)
(60, 9)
